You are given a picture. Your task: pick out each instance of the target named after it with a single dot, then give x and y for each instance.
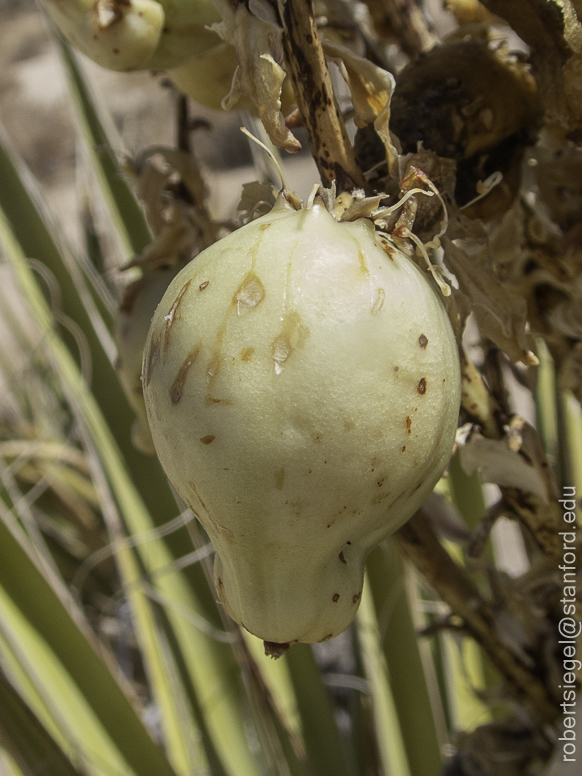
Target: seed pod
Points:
(302, 386)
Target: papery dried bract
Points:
(371, 90)
(258, 79)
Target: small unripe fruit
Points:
(136, 34)
(302, 385)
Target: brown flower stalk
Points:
(328, 139)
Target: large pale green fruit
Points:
(302, 386)
(136, 34)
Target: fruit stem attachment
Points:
(275, 650)
(326, 132)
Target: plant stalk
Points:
(326, 131)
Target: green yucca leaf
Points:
(210, 664)
(320, 733)
(26, 739)
(127, 219)
(399, 643)
(80, 684)
(388, 729)
(35, 235)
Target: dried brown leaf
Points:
(552, 30)
(257, 196)
(501, 314)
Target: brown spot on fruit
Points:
(194, 490)
(152, 358)
(341, 557)
(204, 285)
(363, 266)
(279, 479)
(171, 316)
(423, 341)
(212, 371)
(207, 439)
(421, 386)
(388, 249)
(408, 424)
(178, 385)
(335, 598)
(293, 335)
(246, 354)
(357, 597)
(403, 448)
(249, 294)
(381, 497)
(379, 301)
